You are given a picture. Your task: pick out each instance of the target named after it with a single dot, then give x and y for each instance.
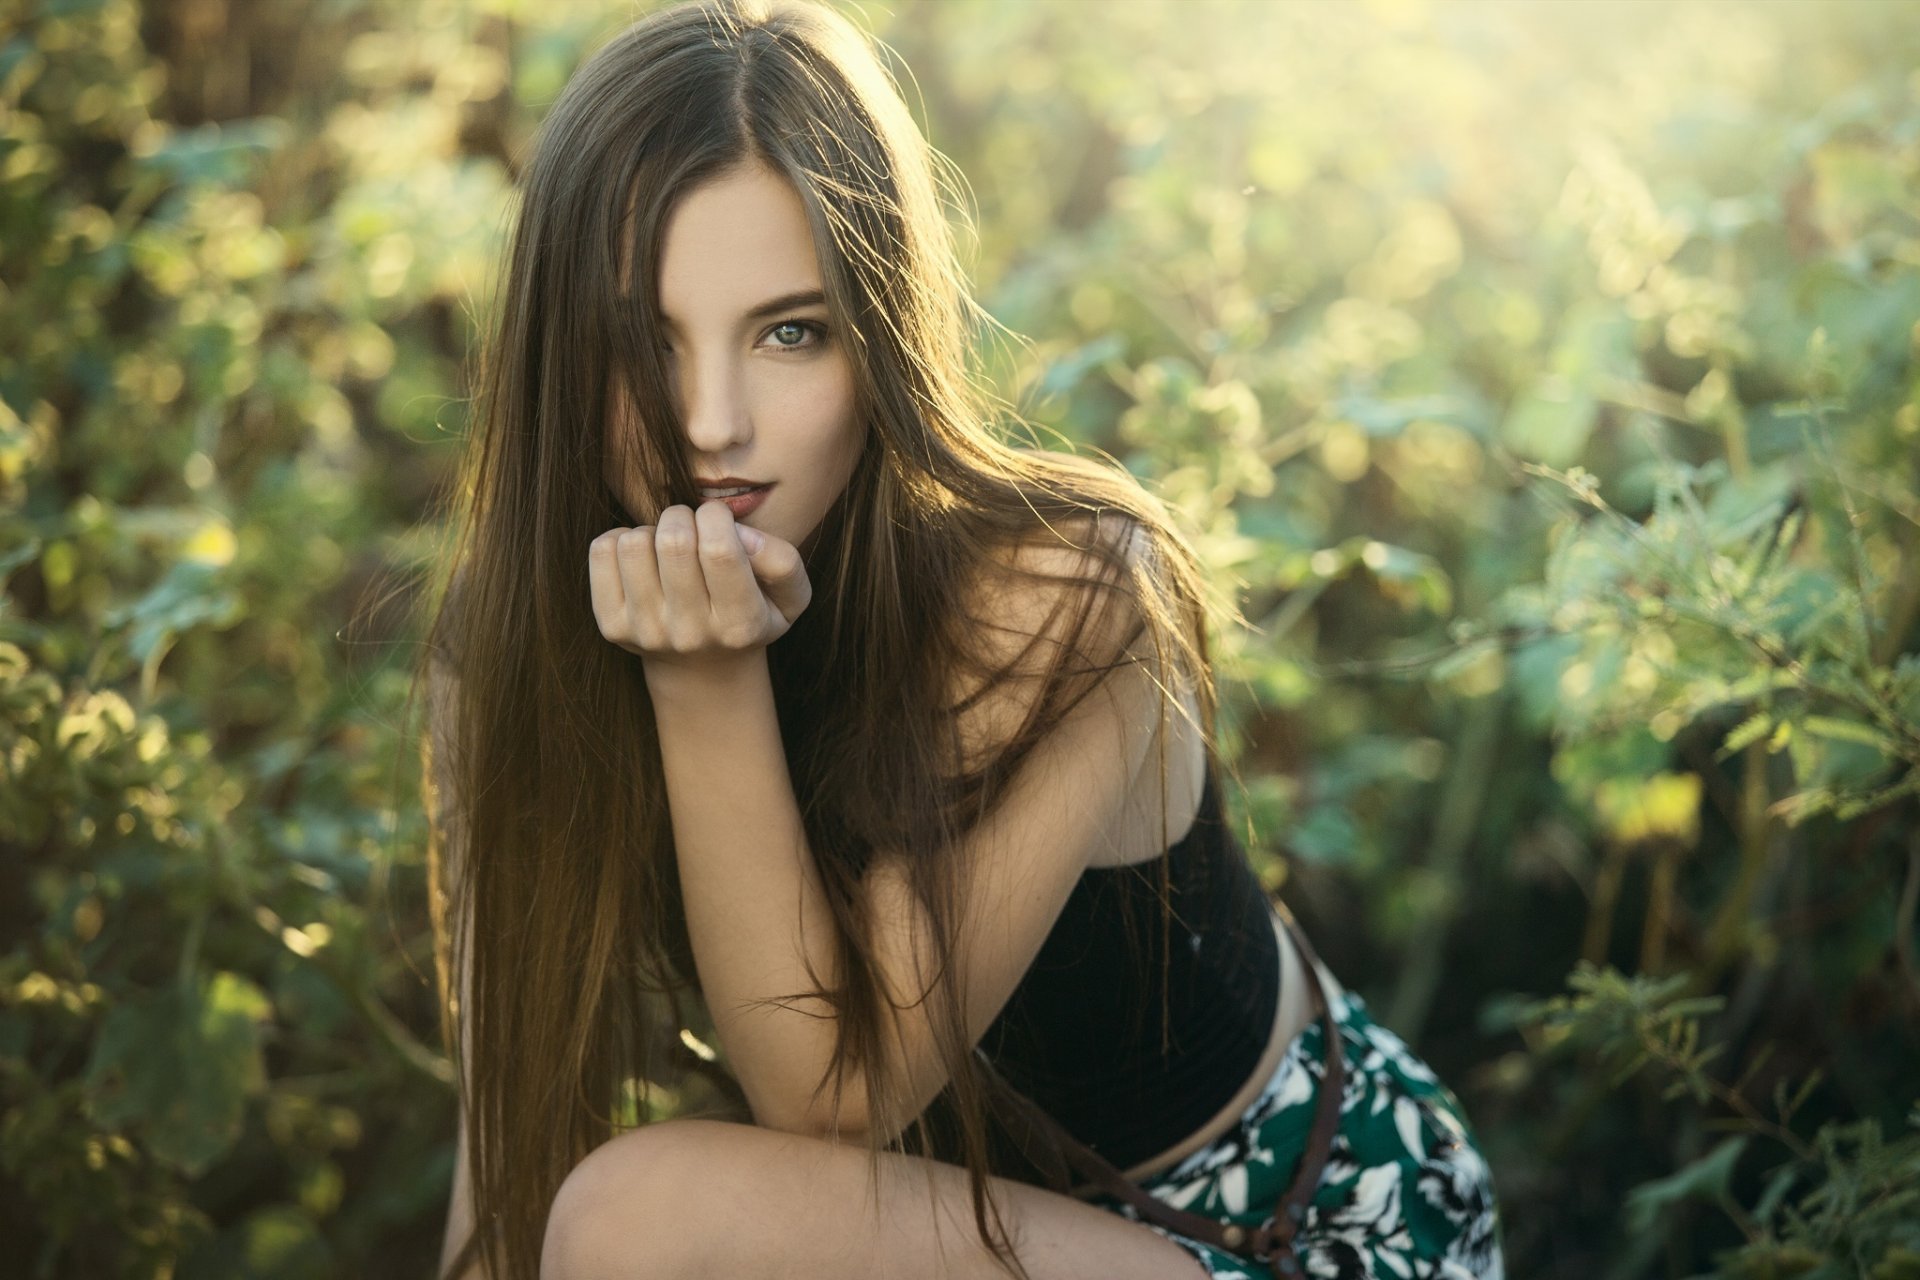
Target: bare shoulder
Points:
(1028, 591)
(1056, 600)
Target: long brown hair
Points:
(554, 888)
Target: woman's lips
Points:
(744, 504)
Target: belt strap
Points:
(1271, 1243)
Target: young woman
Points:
(765, 673)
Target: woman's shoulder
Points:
(1079, 540)
(1031, 587)
(1061, 582)
(1057, 600)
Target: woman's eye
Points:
(792, 334)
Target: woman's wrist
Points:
(707, 680)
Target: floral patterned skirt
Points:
(1405, 1193)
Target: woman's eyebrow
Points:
(772, 306)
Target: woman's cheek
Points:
(831, 405)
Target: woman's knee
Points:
(639, 1205)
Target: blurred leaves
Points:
(178, 1068)
(1843, 1204)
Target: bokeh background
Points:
(1539, 378)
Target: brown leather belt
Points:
(1271, 1244)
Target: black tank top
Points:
(1082, 1035)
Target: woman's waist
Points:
(1297, 1007)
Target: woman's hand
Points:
(696, 587)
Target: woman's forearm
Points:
(755, 909)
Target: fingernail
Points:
(751, 538)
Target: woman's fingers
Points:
(683, 587)
(640, 581)
(603, 582)
(744, 582)
(739, 616)
(782, 576)
(689, 585)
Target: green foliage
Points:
(197, 792)
(1845, 1203)
(182, 1065)
(1737, 595)
(1540, 382)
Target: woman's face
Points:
(763, 385)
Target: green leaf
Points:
(1550, 422)
(17, 556)
(1462, 659)
(1708, 1177)
(223, 154)
(1065, 373)
(178, 1066)
(1746, 733)
(1379, 417)
(187, 597)
(1850, 731)
(1326, 834)
(1802, 805)
(1775, 1193)
(280, 1241)
(12, 54)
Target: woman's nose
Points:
(714, 409)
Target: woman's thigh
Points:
(1405, 1192)
(713, 1199)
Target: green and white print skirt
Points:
(1405, 1194)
